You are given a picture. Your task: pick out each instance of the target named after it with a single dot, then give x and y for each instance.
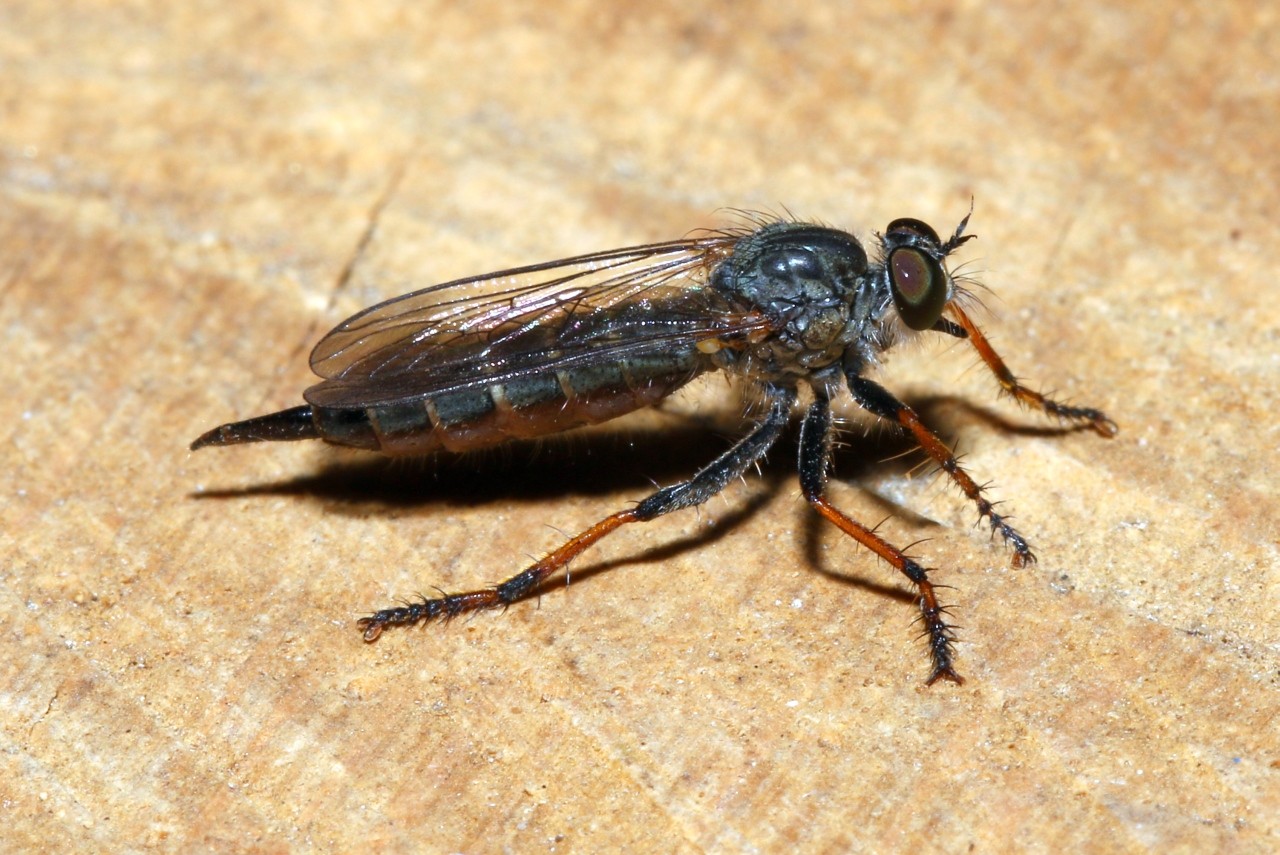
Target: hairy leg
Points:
(815, 461)
(877, 400)
(706, 483)
(1096, 419)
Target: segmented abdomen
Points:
(533, 406)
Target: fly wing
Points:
(486, 329)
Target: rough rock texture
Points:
(192, 195)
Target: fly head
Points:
(914, 273)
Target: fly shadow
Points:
(610, 460)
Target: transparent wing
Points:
(484, 329)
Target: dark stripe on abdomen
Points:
(524, 408)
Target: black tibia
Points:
(815, 460)
(878, 401)
(709, 481)
(284, 426)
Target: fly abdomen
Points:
(522, 408)
(526, 407)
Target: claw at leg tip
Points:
(944, 673)
(1023, 559)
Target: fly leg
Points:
(1096, 419)
(709, 481)
(878, 401)
(815, 461)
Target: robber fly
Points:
(538, 350)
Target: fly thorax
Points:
(805, 279)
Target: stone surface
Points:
(193, 195)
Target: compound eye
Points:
(919, 287)
(907, 227)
